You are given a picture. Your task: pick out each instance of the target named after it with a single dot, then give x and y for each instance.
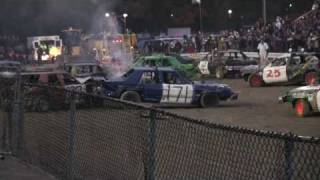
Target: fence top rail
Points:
(289, 136)
(269, 134)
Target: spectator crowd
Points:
(280, 35)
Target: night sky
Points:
(40, 17)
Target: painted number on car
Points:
(273, 73)
(174, 93)
(203, 67)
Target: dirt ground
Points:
(13, 169)
(256, 108)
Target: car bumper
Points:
(282, 99)
(234, 97)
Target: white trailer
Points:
(52, 44)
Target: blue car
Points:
(166, 86)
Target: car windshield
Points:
(128, 73)
(279, 62)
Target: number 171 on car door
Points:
(176, 93)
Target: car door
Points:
(151, 88)
(276, 71)
(165, 62)
(175, 90)
(294, 65)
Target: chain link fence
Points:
(74, 135)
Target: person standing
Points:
(198, 42)
(263, 53)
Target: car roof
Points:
(82, 64)
(304, 53)
(153, 69)
(154, 56)
(42, 72)
(230, 51)
(284, 56)
(9, 62)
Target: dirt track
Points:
(257, 108)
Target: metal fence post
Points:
(288, 149)
(4, 133)
(10, 131)
(152, 146)
(17, 116)
(71, 143)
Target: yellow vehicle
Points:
(111, 45)
(103, 46)
(72, 41)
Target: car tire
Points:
(209, 100)
(255, 80)
(42, 105)
(310, 78)
(302, 108)
(131, 96)
(219, 73)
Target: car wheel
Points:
(131, 96)
(42, 105)
(219, 73)
(255, 80)
(209, 100)
(310, 78)
(302, 108)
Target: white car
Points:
(304, 99)
(287, 69)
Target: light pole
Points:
(230, 13)
(200, 15)
(264, 11)
(115, 17)
(125, 15)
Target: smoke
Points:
(43, 17)
(50, 17)
(100, 23)
(111, 26)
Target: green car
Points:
(304, 99)
(184, 66)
